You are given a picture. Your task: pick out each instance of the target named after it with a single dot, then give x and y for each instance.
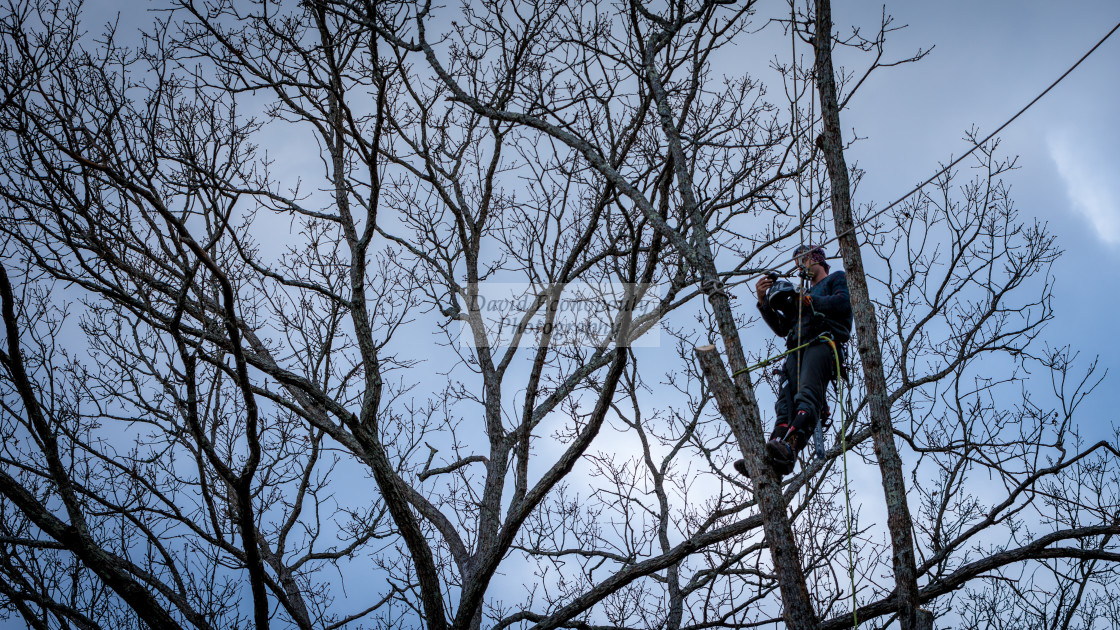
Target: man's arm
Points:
(777, 322)
(835, 302)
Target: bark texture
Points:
(867, 334)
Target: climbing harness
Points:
(825, 420)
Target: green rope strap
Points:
(774, 358)
(847, 492)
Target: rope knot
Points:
(713, 286)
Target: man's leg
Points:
(813, 371)
(781, 450)
(817, 367)
(783, 408)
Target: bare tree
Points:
(249, 385)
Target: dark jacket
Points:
(831, 313)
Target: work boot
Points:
(781, 456)
(740, 467)
(781, 430)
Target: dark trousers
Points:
(803, 388)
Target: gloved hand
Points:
(807, 301)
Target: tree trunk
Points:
(741, 413)
(882, 430)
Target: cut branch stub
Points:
(727, 400)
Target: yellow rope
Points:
(826, 338)
(847, 491)
(843, 450)
(774, 358)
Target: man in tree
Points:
(823, 312)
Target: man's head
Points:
(807, 256)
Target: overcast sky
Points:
(989, 60)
